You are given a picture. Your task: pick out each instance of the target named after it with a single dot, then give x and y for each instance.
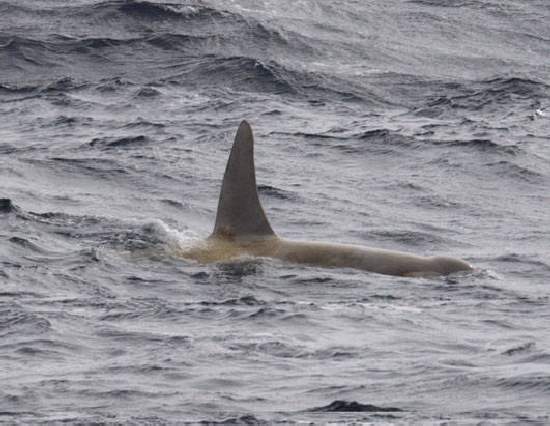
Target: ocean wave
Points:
(247, 419)
(14, 89)
(483, 95)
(62, 218)
(15, 44)
(436, 201)
(483, 145)
(147, 92)
(142, 310)
(153, 22)
(307, 135)
(123, 394)
(236, 72)
(7, 206)
(154, 11)
(252, 74)
(204, 63)
(267, 312)
(124, 142)
(64, 121)
(277, 193)
(104, 45)
(526, 383)
(141, 122)
(197, 17)
(516, 171)
(136, 337)
(520, 349)
(64, 84)
(332, 354)
(241, 301)
(15, 319)
(445, 3)
(272, 348)
(94, 166)
(352, 142)
(144, 369)
(26, 244)
(18, 53)
(107, 85)
(353, 406)
(411, 238)
(520, 258)
(95, 231)
(6, 7)
(161, 24)
(388, 137)
(514, 85)
(43, 252)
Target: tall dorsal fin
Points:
(240, 213)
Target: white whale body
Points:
(242, 230)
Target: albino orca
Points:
(242, 230)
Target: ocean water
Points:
(419, 125)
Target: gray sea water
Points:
(421, 126)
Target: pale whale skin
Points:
(242, 230)
(326, 255)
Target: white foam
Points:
(174, 238)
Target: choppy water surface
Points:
(414, 125)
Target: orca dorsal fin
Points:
(240, 213)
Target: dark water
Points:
(414, 125)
